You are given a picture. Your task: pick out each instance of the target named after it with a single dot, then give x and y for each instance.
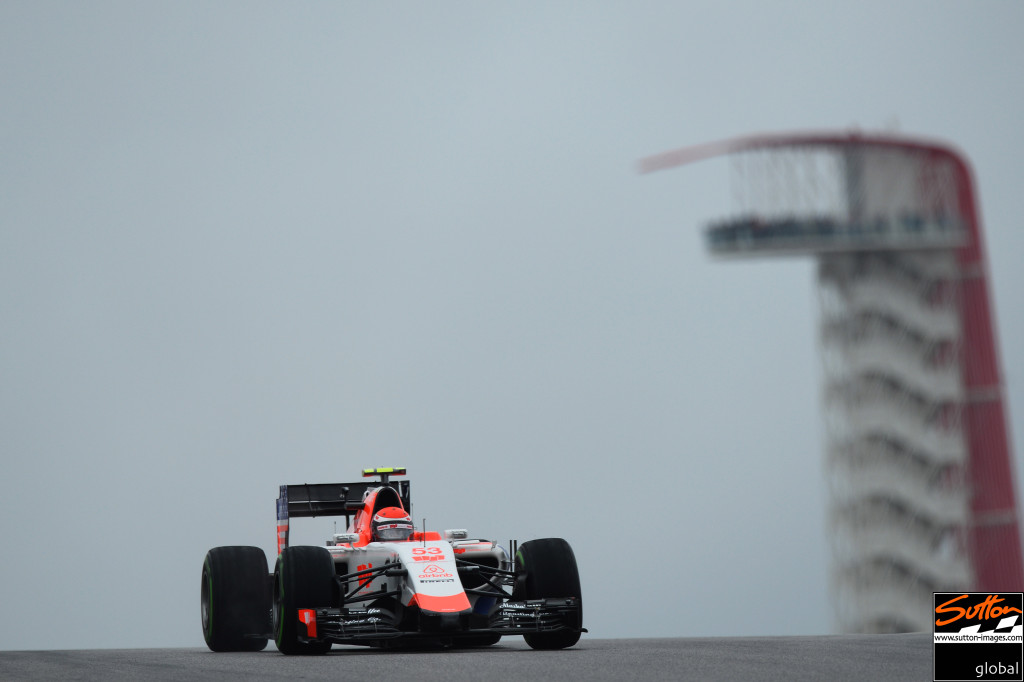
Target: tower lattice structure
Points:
(917, 454)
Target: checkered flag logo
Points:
(1010, 625)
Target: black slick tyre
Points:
(303, 579)
(235, 599)
(547, 569)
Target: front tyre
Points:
(547, 569)
(234, 599)
(303, 579)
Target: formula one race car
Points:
(384, 583)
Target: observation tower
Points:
(917, 454)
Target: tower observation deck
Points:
(917, 455)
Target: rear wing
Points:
(326, 499)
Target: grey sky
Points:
(246, 244)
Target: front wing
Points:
(356, 625)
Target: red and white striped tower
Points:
(918, 455)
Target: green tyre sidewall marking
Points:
(280, 600)
(209, 599)
(519, 566)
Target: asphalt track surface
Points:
(840, 657)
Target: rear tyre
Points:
(235, 599)
(303, 579)
(547, 568)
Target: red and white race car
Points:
(384, 582)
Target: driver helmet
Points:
(392, 524)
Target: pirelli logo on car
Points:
(978, 636)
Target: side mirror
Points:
(346, 538)
(456, 534)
